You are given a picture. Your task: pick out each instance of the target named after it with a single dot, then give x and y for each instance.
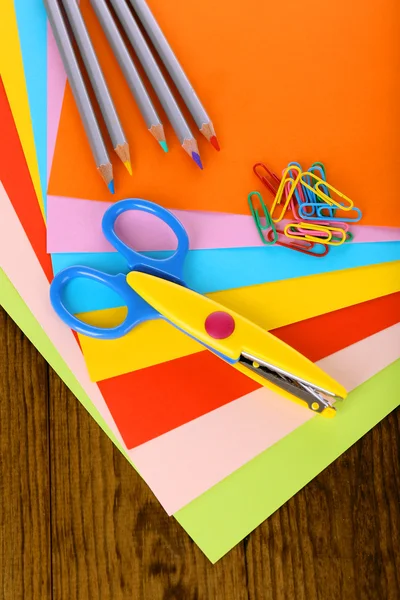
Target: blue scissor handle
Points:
(138, 309)
(170, 268)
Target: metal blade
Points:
(316, 398)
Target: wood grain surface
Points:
(77, 522)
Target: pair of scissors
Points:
(155, 288)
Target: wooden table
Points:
(77, 522)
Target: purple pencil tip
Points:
(197, 159)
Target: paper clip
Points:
(343, 226)
(280, 193)
(269, 224)
(321, 206)
(319, 183)
(293, 230)
(304, 246)
(298, 192)
(304, 231)
(267, 177)
(318, 166)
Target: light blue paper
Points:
(222, 269)
(32, 29)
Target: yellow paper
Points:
(12, 73)
(269, 305)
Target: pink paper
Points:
(74, 225)
(187, 461)
(201, 453)
(70, 221)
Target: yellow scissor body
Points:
(189, 311)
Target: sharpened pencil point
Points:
(111, 186)
(128, 166)
(164, 146)
(197, 159)
(214, 142)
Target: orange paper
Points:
(281, 81)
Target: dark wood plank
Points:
(25, 569)
(339, 538)
(111, 538)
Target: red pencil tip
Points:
(214, 142)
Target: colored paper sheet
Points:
(74, 225)
(269, 305)
(357, 52)
(229, 511)
(203, 452)
(12, 73)
(209, 271)
(35, 290)
(13, 304)
(31, 281)
(142, 413)
(165, 379)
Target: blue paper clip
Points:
(321, 206)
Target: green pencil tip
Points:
(164, 146)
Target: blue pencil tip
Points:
(164, 146)
(111, 186)
(197, 159)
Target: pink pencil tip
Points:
(214, 142)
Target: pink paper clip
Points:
(304, 246)
(267, 177)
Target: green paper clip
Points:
(269, 224)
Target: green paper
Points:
(225, 514)
(221, 517)
(21, 315)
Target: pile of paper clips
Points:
(319, 215)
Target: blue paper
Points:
(222, 269)
(32, 29)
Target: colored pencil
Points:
(99, 85)
(157, 80)
(175, 70)
(80, 93)
(130, 72)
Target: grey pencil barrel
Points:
(152, 70)
(76, 82)
(125, 61)
(171, 63)
(95, 73)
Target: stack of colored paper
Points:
(219, 452)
